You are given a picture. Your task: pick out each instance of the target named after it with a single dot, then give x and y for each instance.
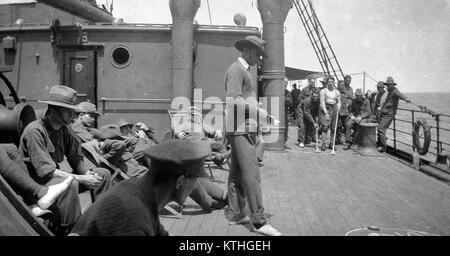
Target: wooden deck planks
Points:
(318, 194)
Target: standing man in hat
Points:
(244, 183)
(388, 111)
(131, 207)
(347, 87)
(330, 105)
(346, 101)
(359, 113)
(43, 146)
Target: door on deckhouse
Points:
(79, 74)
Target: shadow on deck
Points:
(309, 194)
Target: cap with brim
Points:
(62, 96)
(251, 42)
(191, 154)
(380, 84)
(87, 107)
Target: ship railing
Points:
(400, 135)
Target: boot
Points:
(324, 147)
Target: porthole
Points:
(120, 56)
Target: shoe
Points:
(244, 220)
(347, 146)
(267, 230)
(37, 211)
(301, 145)
(324, 147)
(53, 193)
(381, 149)
(287, 147)
(330, 146)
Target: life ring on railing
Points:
(421, 149)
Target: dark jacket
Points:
(361, 108)
(391, 104)
(309, 109)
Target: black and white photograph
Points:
(224, 122)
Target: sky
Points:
(406, 39)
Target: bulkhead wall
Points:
(137, 90)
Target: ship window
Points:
(120, 56)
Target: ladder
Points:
(318, 39)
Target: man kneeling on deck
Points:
(131, 207)
(359, 113)
(43, 145)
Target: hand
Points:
(358, 119)
(352, 118)
(218, 135)
(327, 116)
(141, 126)
(89, 180)
(182, 136)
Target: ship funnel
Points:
(273, 15)
(13, 122)
(183, 13)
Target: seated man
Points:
(136, 142)
(83, 126)
(43, 146)
(131, 207)
(359, 113)
(193, 128)
(14, 171)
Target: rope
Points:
(209, 11)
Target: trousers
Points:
(244, 181)
(385, 122)
(328, 124)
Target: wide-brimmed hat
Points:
(122, 122)
(389, 81)
(87, 107)
(251, 42)
(380, 84)
(62, 96)
(190, 154)
(359, 92)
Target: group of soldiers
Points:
(319, 110)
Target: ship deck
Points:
(311, 194)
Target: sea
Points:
(438, 102)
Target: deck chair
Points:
(24, 211)
(175, 116)
(92, 155)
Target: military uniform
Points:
(308, 114)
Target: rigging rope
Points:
(209, 11)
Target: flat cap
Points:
(179, 151)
